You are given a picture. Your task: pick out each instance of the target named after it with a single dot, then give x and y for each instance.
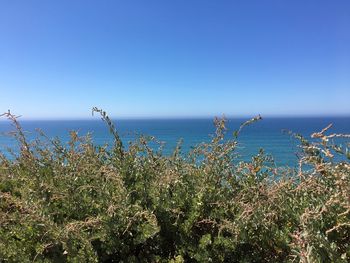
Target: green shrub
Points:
(89, 203)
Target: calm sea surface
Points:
(267, 133)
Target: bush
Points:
(86, 203)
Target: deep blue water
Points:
(267, 133)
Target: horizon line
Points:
(193, 117)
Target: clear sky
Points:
(181, 58)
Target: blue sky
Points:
(179, 58)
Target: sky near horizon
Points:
(180, 58)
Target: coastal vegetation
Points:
(82, 202)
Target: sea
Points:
(271, 134)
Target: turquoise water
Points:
(267, 133)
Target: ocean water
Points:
(268, 133)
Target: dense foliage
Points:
(79, 202)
